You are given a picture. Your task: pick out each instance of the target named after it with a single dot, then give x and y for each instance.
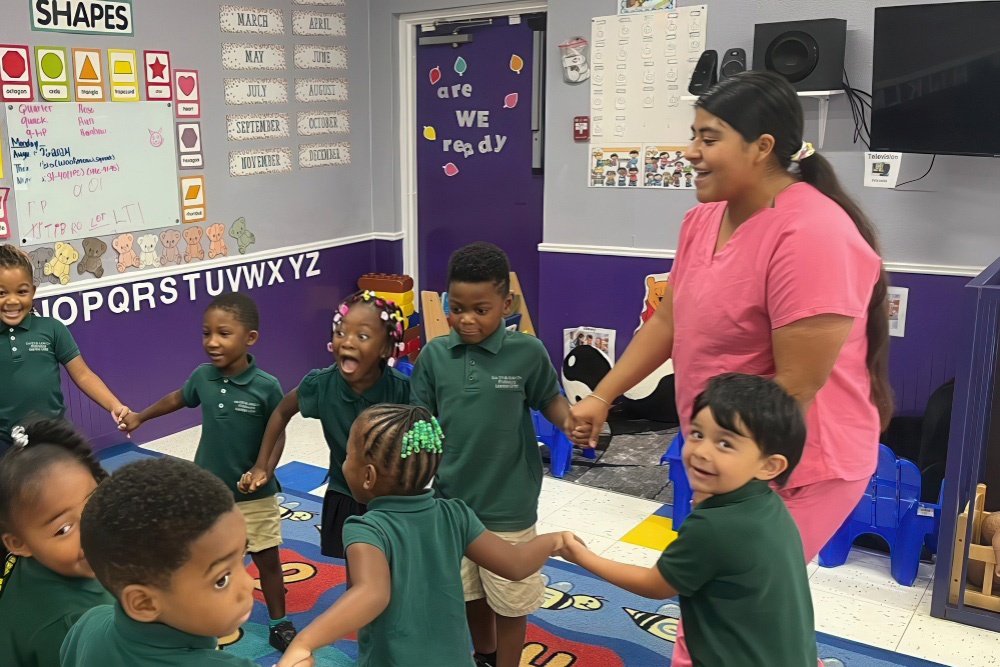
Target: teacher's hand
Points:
(585, 421)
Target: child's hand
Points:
(572, 547)
(129, 422)
(296, 656)
(252, 480)
(118, 413)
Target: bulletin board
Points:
(254, 108)
(83, 170)
(642, 65)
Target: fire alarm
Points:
(581, 128)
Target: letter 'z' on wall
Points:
(90, 17)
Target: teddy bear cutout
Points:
(59, 265)
(91, 261)
(170, 239)
(126, 253)
(147, 248)
(194, 250)
(216, 246)
(244, 237)
(39, 258)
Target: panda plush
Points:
(582, 370)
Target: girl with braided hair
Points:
(47, 584)
(367, 332)
(406, 601)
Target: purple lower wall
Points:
(606, 291)
(149, 351)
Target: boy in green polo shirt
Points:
(165, 538)
(236, 399)
(480, 381)
(737, 561)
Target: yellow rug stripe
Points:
(655, 532)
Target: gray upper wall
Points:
(949, 218)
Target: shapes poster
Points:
(664, 166)
(89, 74)
(158, 75)
(193, 198)
(188, 93)
(51, 63)
(615, 166)
(189, 146)
(124, 78)
(15, 74)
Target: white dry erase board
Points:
(92, 169)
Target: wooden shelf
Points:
(823, 96)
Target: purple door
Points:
(474, 155)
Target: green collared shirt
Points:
(37, 609)
(738, 566)
(481, 393)
(423, 539)
(30, 356)
(234, 413)
(325, 395)
(107, 637)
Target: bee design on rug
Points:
(662, 623)
(558, 598)
(288, 511)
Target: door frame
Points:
(408, 30)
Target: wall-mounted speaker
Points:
(706, 73)
(810, 54)
(734, 62)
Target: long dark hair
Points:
(758, 103)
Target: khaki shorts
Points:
(263, 523)
(507, 598)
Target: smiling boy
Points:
(737, 561)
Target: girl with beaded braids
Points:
(45, 582)
(367, 332)
(406, 601)
(33, 349)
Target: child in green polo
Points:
(33, 349)
(367, 331)
(480, 380)
(236, 400)
(165, 537)
(405, 601)
(737, 561)
(45, 586)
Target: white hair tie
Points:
(807, 150)
(19, 437)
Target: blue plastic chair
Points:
(891, 509)
(682, 488)
(560, 447)
(404, 366)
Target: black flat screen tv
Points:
(936, 79)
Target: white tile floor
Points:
(858, 600)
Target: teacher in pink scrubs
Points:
(777, 273)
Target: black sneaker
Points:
(487, 660)
(282, 635)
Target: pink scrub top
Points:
(801, 258)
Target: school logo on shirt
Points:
(508, 382)
(247, 407)
(39, 346)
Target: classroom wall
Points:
(944, 223)
(948, 218)
(319, 217)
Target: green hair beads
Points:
(423, 437)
